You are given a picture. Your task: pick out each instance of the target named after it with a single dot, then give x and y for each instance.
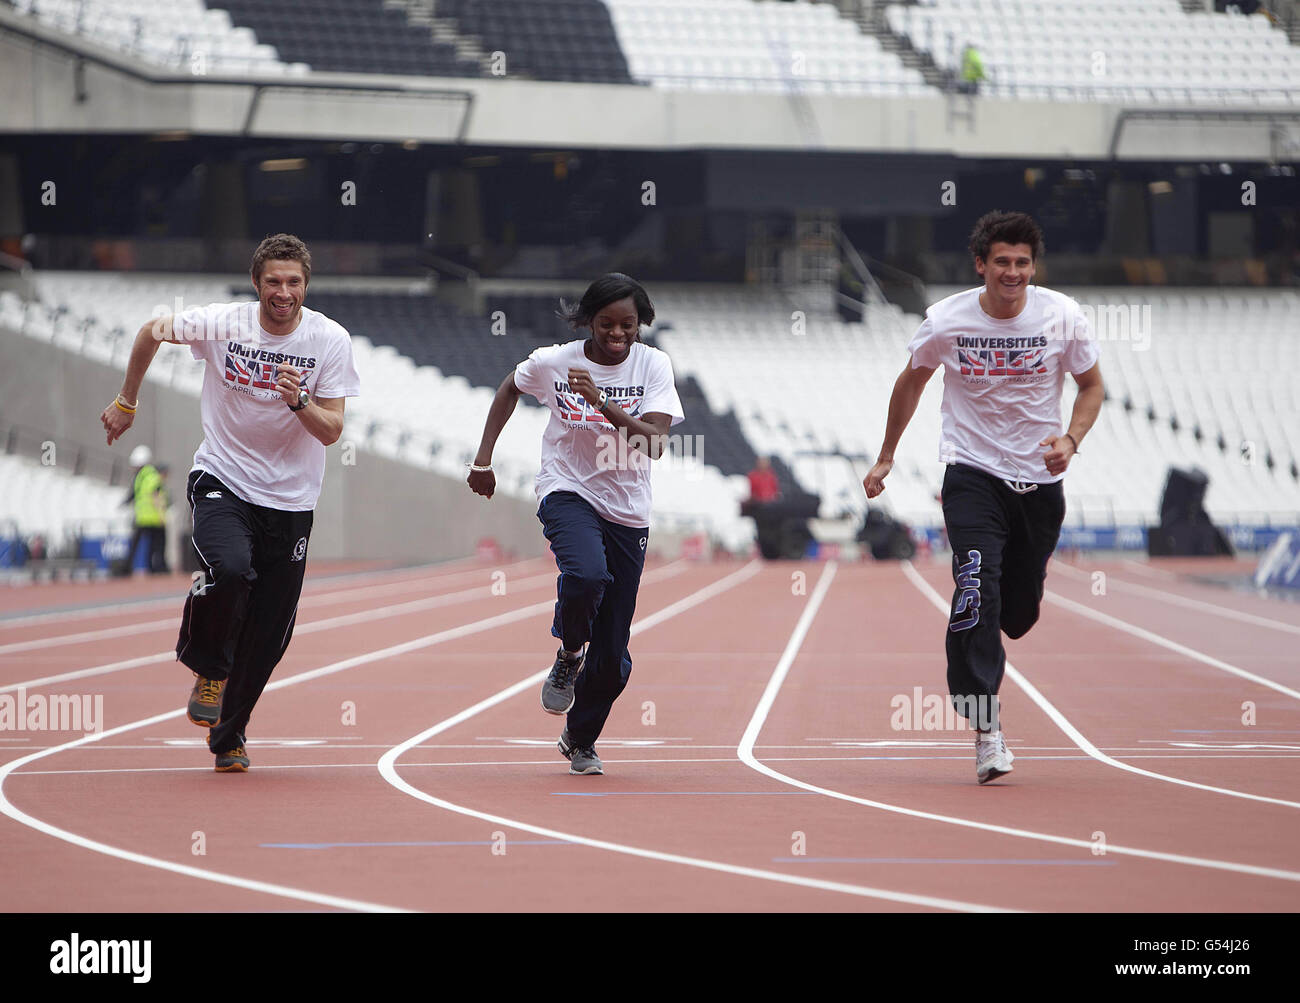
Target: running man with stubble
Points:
(1005, 348)
(274, 388)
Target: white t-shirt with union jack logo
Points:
(251, 440)
(581, 450)
(1002, 379)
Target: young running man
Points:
(612, 401)
(276, 379)
(1005, 348)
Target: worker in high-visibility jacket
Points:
(972, 69)
(149, 502)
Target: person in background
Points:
(763, 485)
(148, 499)
(972, 70)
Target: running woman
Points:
(1005, 348)
(612, 401)
(274, 388)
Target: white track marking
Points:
(103, 634)
(12, 811)
(107, 609)
(94, 670)
(1076, 736)
(1164, 642)
(746, 754)
(388, 769)
(18, 815)
(308, 602)
(1145, 590)
(379, 612)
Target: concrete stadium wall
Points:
(375, 509)
(40, 92)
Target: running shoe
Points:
(992, 757)
(583, 760)
(233, 761)
(557, 691)
(205, 701)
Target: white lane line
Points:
(249, 884)
(1164, 642)
(746, 754)
(1177, 600)
(308, 602)
(107, 609)
(388, 769)
(1076, 736)
(330, 623)
(17, 814)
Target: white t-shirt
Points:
(581, 450)
(1003, 378)
(251, 440)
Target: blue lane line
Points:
(944, 860)
(1234, 731)
(465, 842)
(607, 794)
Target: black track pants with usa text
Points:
(1001, 541)
(240, 613)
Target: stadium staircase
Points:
(421, 14)
(350, 36)
(871, 20)
(570, 40)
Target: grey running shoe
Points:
(992, 757)
(557, 691)
(233, 761)
(583, 760)
(204, 708)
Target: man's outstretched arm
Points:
(116, 420)
(902, 405)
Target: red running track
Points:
(401, 760)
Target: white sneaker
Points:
(992, 757)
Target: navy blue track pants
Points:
(600, 566)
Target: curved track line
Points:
(746, 754)
(1076, 736)
(249, 884)
(1145, 590)
(1164, 642)
(388, 769)
(17, 814)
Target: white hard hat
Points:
(141, 456)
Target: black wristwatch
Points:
(303, 399)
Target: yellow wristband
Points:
(125, 410)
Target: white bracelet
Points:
(480, 470)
